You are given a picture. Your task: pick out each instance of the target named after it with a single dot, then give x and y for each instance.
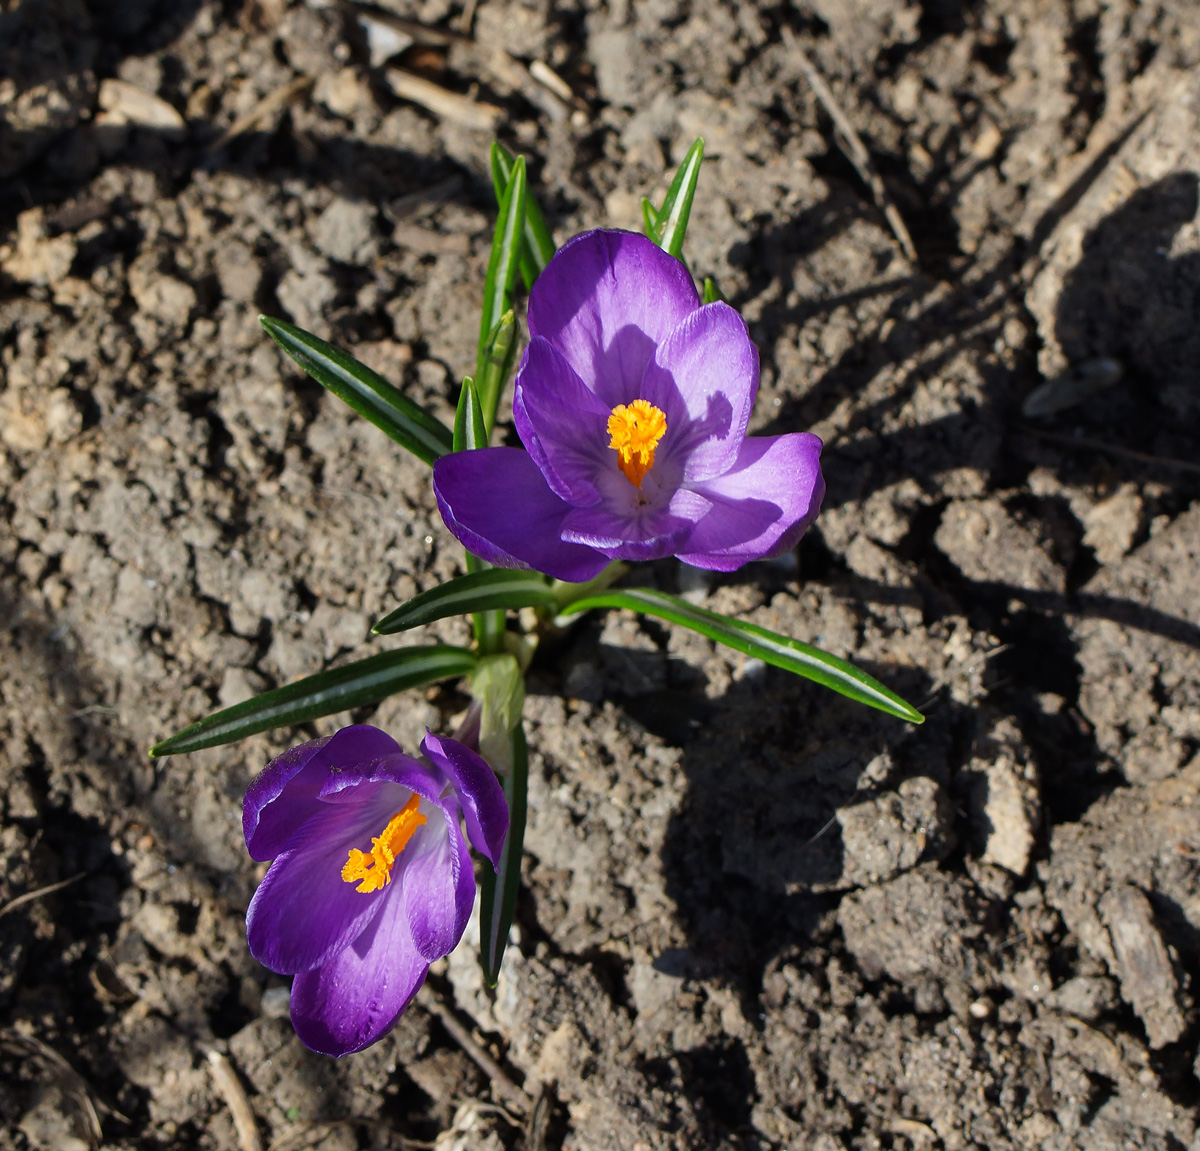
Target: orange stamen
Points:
(374, 868)
(635, 430)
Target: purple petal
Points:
(704, 377)
(648, 535)
(282, 797)
(564, 426)
(606, 301)
(498, 505)
(357, 996)
(437, 887)
(761, 506)
(303, 912)
(479, 792)
(361, 783)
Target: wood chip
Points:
(442, 102)
(124, 103)
(546, 75)
(1147, 978)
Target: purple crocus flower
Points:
(371, 879)
(632, 400)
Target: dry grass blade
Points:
(539, 1121)
(501, 1083)
(417, 203)
(852, 146)
(1112, 449)
(417, 32)
(271, 103)
(30, 896)
(511, 74)
(230, 1088)
(467, 16)
(442, 102)
(63, 1076)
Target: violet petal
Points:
(355, 998)
(354, 783)
(303, 912)
(564, 426)
(651, 534)
(772, 472)
(479, 792)
(704, 377)
(605, 301)
(437, 886)
(497, 505)
(283, 796)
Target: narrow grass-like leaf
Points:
(355, 685)
(489, 590)
(711, 292)
(650, 219)
(769, 646)
(367, 392)
(501, 275)
(470, 432)
(498, 362)
(498, 891)
(677, 205)
(538, 247)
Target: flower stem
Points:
(567, 593)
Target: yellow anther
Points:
(635, 430)
(374, 868)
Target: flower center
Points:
(374, 868)
(635, 430)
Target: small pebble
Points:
(980, 1008)
(275, 1002)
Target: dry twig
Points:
(417, 32)
(442, 102)
(64, 1077)
(230, 1088)
(30, 896)
(1112, 449)
(501, 1083)
(852, 147)
(271, 103)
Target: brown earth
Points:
(755, 915)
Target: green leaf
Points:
(327, 692)
(498, 890)
(492, 589)
(501, 275)
(537, 248)
(770, 647)
(368, 393)
(469, 429)
(711, 292)
(649, 219)
(499, 687)
(677, 206)
(497, 364)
